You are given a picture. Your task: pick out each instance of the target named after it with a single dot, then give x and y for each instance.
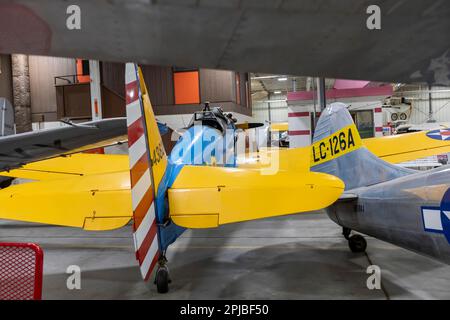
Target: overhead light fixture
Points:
(277, 92)
(282, 79)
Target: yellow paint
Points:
(93, 202)
(104, 223)
(338, 144)
(70, 166)
(283, 159)
(100, 144)
(406, 147)
(156, 148)
(279, 126)
(197, 221)
(235, 194)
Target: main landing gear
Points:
(162, 278)
(356, 242)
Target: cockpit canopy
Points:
(214, 118)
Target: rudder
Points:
(148, 162)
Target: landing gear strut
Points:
(162, 278)
(356, 242)
(346, 232)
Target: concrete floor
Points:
(294, 257)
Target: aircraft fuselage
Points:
(412, 212)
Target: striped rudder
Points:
(142, 183)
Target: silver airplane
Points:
(407, 208)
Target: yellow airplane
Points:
(166, 194)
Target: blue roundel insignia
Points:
(440, 134)
(445, 214)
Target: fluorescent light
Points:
(282, 79)
(277, 92)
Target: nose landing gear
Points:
(356, 242)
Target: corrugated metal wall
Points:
(278, 109)
(419, 109)
(440, 101)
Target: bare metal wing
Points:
(314, 38)
(19, 149)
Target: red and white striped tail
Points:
(145, 228)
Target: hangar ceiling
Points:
(327, 38)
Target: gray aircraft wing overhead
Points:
(326, 38)
(19, 149)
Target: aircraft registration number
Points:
(339, 143)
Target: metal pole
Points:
(96, 91)
(3, 116)
(430, 106)
(294, 85)
(321, 93)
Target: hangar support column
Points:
(21, 92)
(96, 91)
(299, 124)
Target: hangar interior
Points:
(300, 256)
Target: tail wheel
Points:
(357, 243)
(162, 280)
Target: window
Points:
(186, 87)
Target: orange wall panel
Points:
(186, 87)
(81, 78)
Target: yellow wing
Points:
(406, 147)
(70, 166)
(88, 191)
(205, 197)
(393, 149)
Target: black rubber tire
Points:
(357, 243)
(162, 280)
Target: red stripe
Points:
(145, 246)
(142, 208)
(298, 114)
(377, 109)
(135, 131)
(152, 265)
(379, 129)
(131, 91)
(100, 150)
(299, 133)
(139, 169)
